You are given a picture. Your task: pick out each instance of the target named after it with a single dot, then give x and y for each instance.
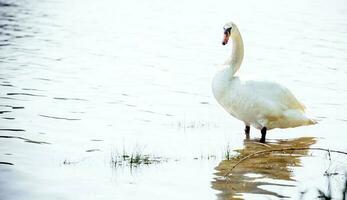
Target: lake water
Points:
(84, 84)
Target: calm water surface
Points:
(84, 81)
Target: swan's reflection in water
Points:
(273, 169)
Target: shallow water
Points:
(84, 81)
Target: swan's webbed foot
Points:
(247, 130)
(263, 134)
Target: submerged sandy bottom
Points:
(85, 85)
(259, 173)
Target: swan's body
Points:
(263, 105)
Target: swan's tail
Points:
(312, 122)
(298, 118)
(292, 118)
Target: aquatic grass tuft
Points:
(70, 162)
(66, 162)
(206, 157)
(227, 155)
(195, 124)
(327, 194)
(134, 159)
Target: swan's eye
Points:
(227, 30)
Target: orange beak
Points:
(226, 38)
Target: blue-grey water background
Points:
(81, 80)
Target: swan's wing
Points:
(272, 95)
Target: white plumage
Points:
(256, 103)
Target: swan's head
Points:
(229, 29)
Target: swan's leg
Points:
(247, 130)
(263, 134)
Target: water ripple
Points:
(11, 129)
(74, 99)
(6, 85)
(13, 107)
(63, 118)
(9, 118)
(25, 94)
(4, 4)
(24, 139)
(6, 163)
(92, 150)
(32, 89)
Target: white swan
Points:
(264, 105)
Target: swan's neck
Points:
(225, 81)
(237, 53)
